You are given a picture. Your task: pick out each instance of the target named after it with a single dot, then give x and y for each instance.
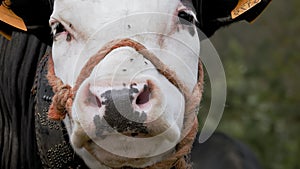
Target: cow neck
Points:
(64, 95)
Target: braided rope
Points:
(63, 95)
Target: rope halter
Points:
(64, 95)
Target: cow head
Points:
(130, 108)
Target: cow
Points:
(130, 99)
(106, 89)
(127, 84)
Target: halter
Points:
(64, 95)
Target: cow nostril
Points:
(93, 99)
(144, 96)
(98, 101)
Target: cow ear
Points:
(214, 14)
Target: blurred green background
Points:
(262, 66)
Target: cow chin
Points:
(99, 158)
(141, 153)
(129, 119)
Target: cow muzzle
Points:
(126, 107)
(132, 109)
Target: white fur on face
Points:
(154, 23)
